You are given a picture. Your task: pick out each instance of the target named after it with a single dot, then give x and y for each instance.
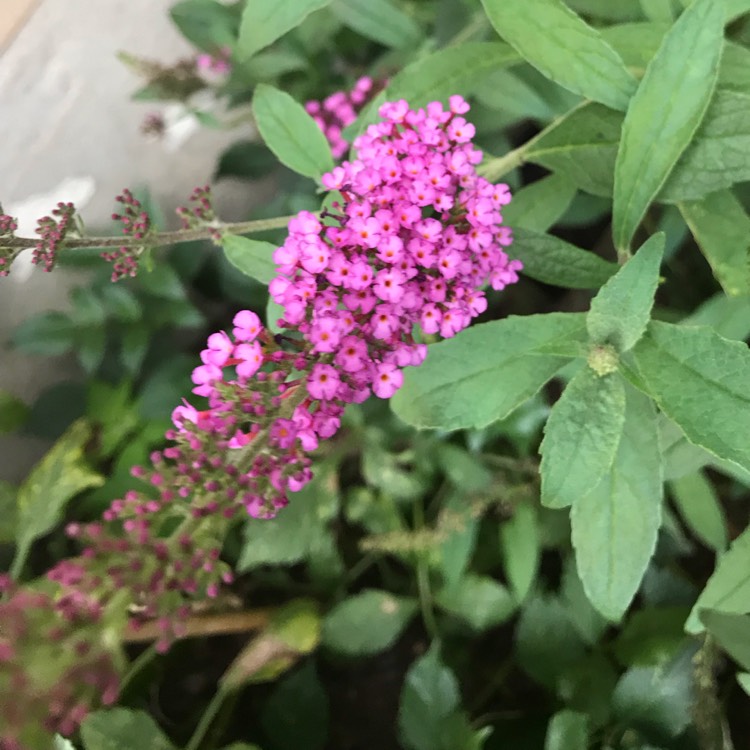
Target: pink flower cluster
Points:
(136, 223)
(340, 109)
(52, 231)
(8, 227)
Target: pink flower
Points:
(323, 382)
(388, 379)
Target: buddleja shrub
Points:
(508, 589)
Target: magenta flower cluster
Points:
(340, 109)
(8, 227)
(136, 223)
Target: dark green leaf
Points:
(581, 437)
(564, 48)
(13, 412)
(246, 160)
(8, 513)
(615, 525)
(379, 20)
(521, 549)
(460, 525)
(651, 636)
(665, 113)
(208, 24)
(264, 21)
(253, 257)
(122, 729)
(701, 510)
(721, 228)
(296, 714)
(296, 531)
(554, 261)
(504, 360)
(567, 730)
(48, 334)
(700, 381)
(289, 131)
(731, 632)
(540, 205)
(429, 696)
(121, 303)
(367, 623)
(728, 589)
(657, 700)
(479, 600)
(621, 310)
(623, 10)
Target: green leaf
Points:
(721, 228)
(665, 112)
(460, 525)
(367, 623)
(728, 316)
(563, 48)
(57, 478)
(49, 334)
(547, 644)
(288, 130)
(209, 25)
(623, 10)
(586, 620)
(264, 21)
(731, 632)
(429, 696)
(443, 73)
(296, 714)
(567, 730)
(732, 8)
(479, 600)
(615, 525)
(728, 589)
(13, 412)
(651, 636)
(506, 92)
(540, 205)
(296, 531)
(581, 437)
(121, 303)
(554, 261)
(246, 160)
(700, 381)
(122, 729)
(621, 310)
(504, 360)
(379, 20)
(743, 678)
(253, 257)
(521, 548)
(700, 509)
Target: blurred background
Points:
(71, 132)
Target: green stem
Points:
(423, 578)
(158, 239)
(496, 168)
(208, 717)
(143, 660)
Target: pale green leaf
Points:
(728, 316)
(621, 310)
(253, 257)
(721, 228)
(540, 205)
(564, 48)
(700, 381)
(509, 94)
(504, 360)
(622, 10)
(732, 8)
(56, 479)
(552, 260)
(719, 155)
(479, 600)
(379, 20)
(615, 525)
(581, 437)
(567, 730)
(290, 132)
(665, 112)
(264, 21)
(743, 678)
(367, 623)
(122, 729)
(521, 548)
(731, 632)
(700, 509)
(728, 589)
(13, 412)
